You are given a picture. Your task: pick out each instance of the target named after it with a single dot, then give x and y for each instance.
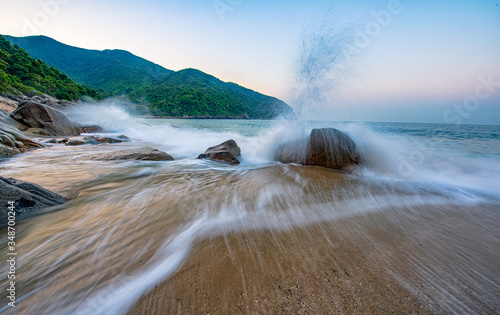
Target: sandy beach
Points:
(393, 262)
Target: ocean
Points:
(423, 207)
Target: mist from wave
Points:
(428, 154)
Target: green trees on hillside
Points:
(156, 90)
(192, 92)
(18, 70)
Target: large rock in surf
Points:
(47, 120)
(27, 197)
(227, 151)
(12, 140)
(142, 154)
(326, 147)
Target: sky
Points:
(412, 61)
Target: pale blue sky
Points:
(414, 67)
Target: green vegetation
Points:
(191, 92)
(157, 91)
(114, 72)
(19, 71)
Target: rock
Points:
(65, 140)
(12, 140)
(227, 151)
(7, 105)
(27, 197)
(91, 129)
(331, 148)
(51, 141)
(46, 118)
(326, 147)
(292, 152)
(75, 142)
(142, 154)
(118, 139)
(86, 140)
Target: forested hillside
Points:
(191, 92)
(20, 71)
(156, 90)
(115, 72)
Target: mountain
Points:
(20, 71)
(193, 93)
(113, 71)
(157, 91)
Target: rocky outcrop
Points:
(7, 105)
(227, 151)
(142, 154)
(16, 98)
(12, 140)
(45, 119)
(326, 147)
(26, 197)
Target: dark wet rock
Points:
(326, 147)
(142, 154)
(45, 119)
(12, 140)
(51, 141)
(91, 129)
(75, 142)
(65, 140)
(292, 152)
(27, 197)
(124, 138)
(118, 139)
(331, 148)
(82, 141)
(227, 151)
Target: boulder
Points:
(142, 154)
(326, 147)
(12, 140)
(27, 197)
(292, 152)
(51, 121)
(227, 151)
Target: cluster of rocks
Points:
(93, 140)
(14, 99)
(12, 140)
(37, 115)
(325, 147)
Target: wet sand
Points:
(427, 260)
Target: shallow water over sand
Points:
(133, 229)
